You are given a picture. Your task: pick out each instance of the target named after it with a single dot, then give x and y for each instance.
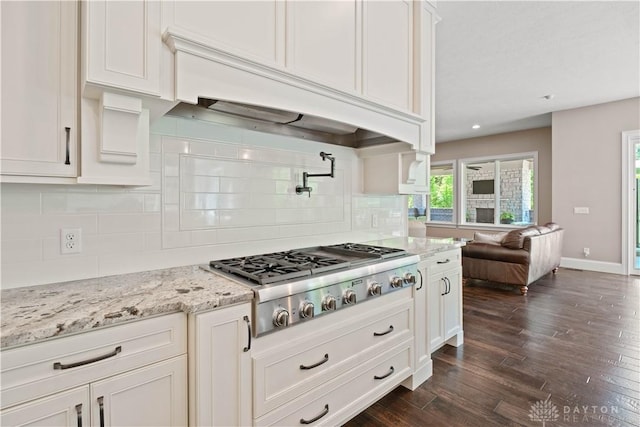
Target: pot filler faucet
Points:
(304, 188)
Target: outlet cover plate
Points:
(70, 240)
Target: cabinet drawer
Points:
(281, 376)
(43, 368)
(348, 394)
(444, 261)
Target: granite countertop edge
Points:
(35, 313)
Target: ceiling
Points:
(496, 60)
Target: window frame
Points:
(454, 220)
(459, 167)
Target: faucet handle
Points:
(300, 189)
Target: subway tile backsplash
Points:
(217, 192)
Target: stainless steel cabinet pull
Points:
(59, 365)
(314, 419)
(248, 347)
(443, 262)
(388, 331)
(315, 365)
(421, 280)
(68, 131)
(448, 283)
(391, 371)
(101, 404)
(79, 414)
(444, 280)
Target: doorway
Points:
(631, 200)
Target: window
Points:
(441, 197)
(499, 191)
(489, 190)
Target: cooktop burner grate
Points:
(261, 269)
(365, 250)
(287, 265)
(316, 263)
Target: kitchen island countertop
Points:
(34, 313)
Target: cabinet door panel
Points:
(421, 344)
(388, 54)
(251, 29)
(39, 88)
(155, 395)
(123, 44)
(321, 41)
(219, 369)
(435, 290)
(452, 303)
(69, 408)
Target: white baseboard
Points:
(591, 265)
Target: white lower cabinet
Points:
(220, 367)
(444, 299)
(334, 367)
(437, 310)
(422, 350)
(128, 375)
(155, 395)
(69, 408)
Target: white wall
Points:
(587, 172)
(218, 192)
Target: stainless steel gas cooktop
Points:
(298, 285)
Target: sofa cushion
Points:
(515, 238)
(496, 253)
(489, 238)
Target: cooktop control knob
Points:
(281, 317)
(375, 289)
(306, 309)
(329, 303)
(410, 278)
(396, 282)
(349, 297)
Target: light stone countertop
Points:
(35, 313)
(423, 246)
(38, 312)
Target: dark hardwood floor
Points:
(570, 347)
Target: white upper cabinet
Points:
(250, 29)
(388, 52)
(425, 20)
(39, 96)
(323, 42)
(122, 45)
(353, 61)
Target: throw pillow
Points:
(489, 238)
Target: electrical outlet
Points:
(586, 251)
(70, 240)
(374, 220)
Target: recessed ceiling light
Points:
(476, 126)
(549, 97)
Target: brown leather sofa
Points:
(518, 257)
